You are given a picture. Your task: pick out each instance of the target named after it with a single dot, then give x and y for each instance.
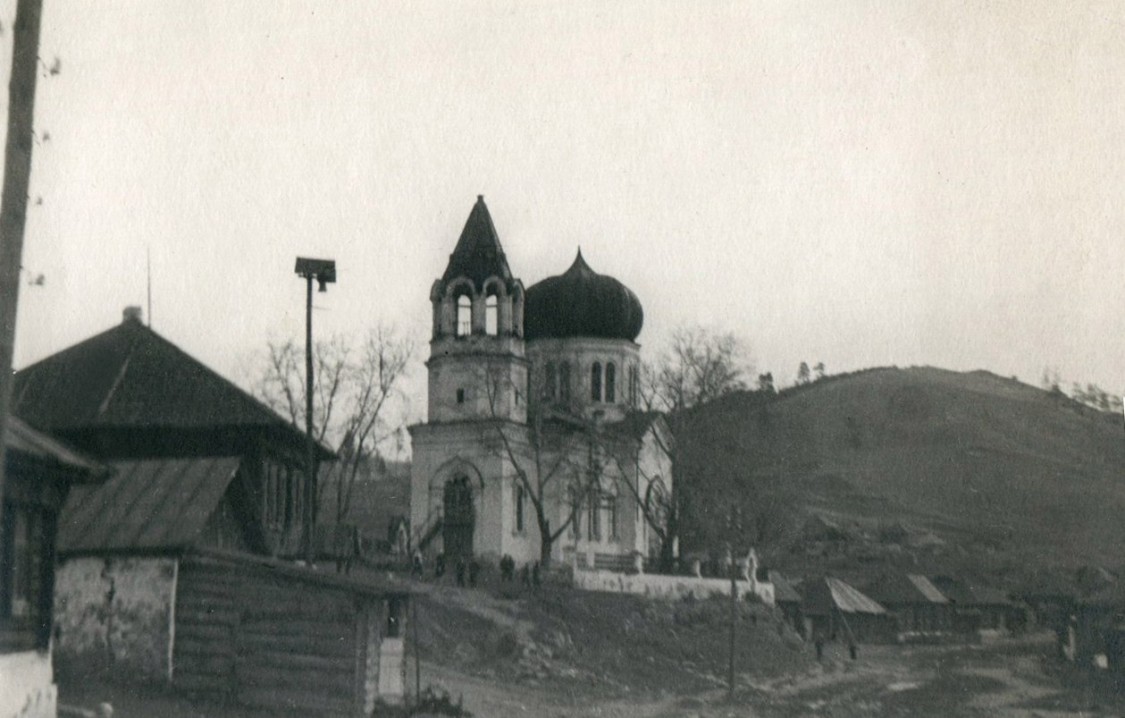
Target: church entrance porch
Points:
(459, 519)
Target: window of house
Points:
(596, 381)
(564, 381)
(491, 316)
(550, 383)
(298, 489)
(609, 508)
(634, 386)
(610, 382)
(394, 618)
(575, 504)
(593, 521)
(519, 500)
(275, 496)
(460, 396)
(25, 575)
(464, 316)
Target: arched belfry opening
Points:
(477, 295)
(458, 518)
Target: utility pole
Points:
(13, 200)
(324, 272)
(733, 624)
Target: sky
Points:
(857, 183)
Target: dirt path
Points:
(1010, 680)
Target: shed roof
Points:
(967, 593)
(22, 439)
(906, 588)
(827, 594)
(783, 591)
(151, 505)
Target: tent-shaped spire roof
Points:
(478, 254)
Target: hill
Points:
(924, 463)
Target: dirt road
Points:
(1013, 679)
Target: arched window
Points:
(491, 318)
(464, 316)
(596, 381)
(609, 506)
(550, 384)
(519, 498)
(593, 528)
(634, 386)
(564, 381)
(610, 382)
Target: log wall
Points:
(269, 640)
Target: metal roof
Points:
(129, 376)
(783, 591)
(828, 594)
(150, 505)
(21, 438)
(906, 588)
(478, 254)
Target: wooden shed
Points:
(918, 607)
(275, 636)
(833, 609)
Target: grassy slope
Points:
(600, 643)
(983, 461)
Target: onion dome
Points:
(582, 303)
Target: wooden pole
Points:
(13, 200)
(310, 450)
(417, 650)
(733, 622)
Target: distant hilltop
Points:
(921, 463)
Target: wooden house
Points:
(1096, 629)
(787, 599)
(918, 607)
(977, 607)
(130, 395)
(39, 471)
(835, 610)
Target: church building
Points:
(534, 423)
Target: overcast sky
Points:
(858, 183)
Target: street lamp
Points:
(324, 272)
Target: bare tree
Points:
(657, 504)
(555, 455)
(357, 400)
(699, 365)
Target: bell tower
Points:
(477, 367)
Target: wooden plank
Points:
(204, 631)
(196, 616)
(252, 674)
(190, 645)
(315, 629)
(212, 683)
(318, 613)
(325, 647)
(303, 661)
(203, 664)
(318, 703)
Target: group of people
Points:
(468, 572)
(529, 574)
